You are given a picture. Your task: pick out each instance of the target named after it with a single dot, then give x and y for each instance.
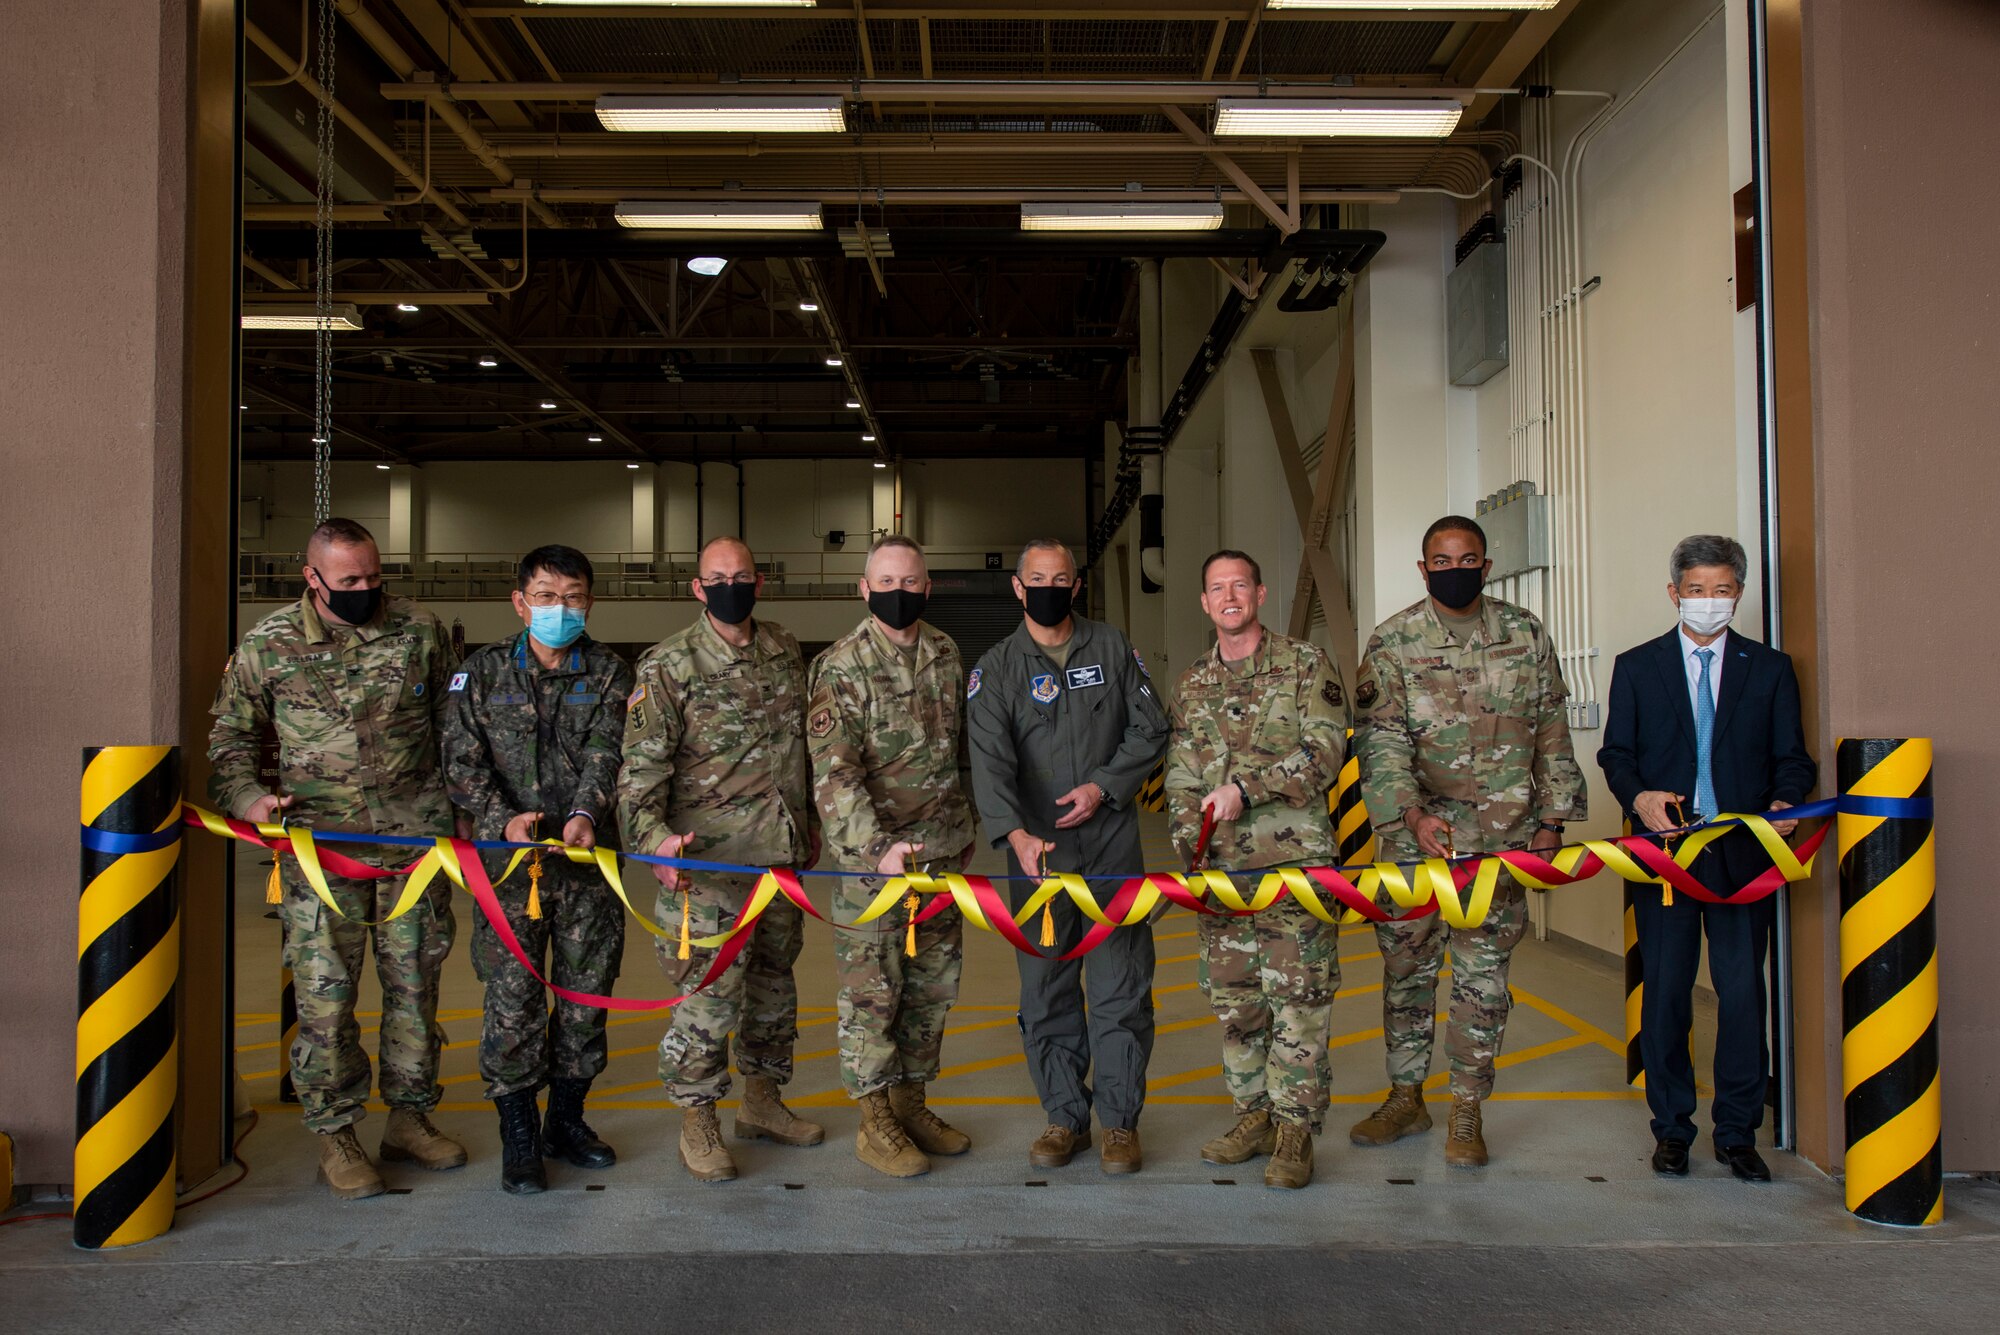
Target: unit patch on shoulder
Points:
(972, 684)
(1364, 694)
(1330, 692)
(458, 680)
(822, 722)
(1141, 662)
(1044, 688)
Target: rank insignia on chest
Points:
(1044, 688)
(972, 684)
(1079, 677)
(822, 723)
(458, 680)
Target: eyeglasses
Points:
(574, 601)
(740, 581)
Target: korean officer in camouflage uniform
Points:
(532, 731)
(715, 766)
(353, 683)
(1260, 733)
(1464, 748)
(882, 726)
(1064, 727)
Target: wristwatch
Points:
(1553, 826)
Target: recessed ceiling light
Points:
(854, 403)
(405, 306)
(596, 440)
(1371, 118)
(833, 361)
(809, 306)
(548, 403)
(488, 362)
(730, 216)
(708, 266)
(722, 114)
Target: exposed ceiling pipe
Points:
(263, 42)
(1019, 194)
(945, 92)
(399, 60)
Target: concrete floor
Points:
(1567, 1228)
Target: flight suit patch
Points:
(1044, 688)
(458, 680)
(1080, 677)
(972, 684)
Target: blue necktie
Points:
(1704, 738)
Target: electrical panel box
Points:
(1476, 314)
(1516, 521)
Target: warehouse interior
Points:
(628, 276)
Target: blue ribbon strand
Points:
(119, 845)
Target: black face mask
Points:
(730, 603)
(1048, 604)
(357, 607)
(898, 609)
(1456, 588)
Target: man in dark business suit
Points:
(1709, 719)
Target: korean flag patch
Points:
(1044, 688)
(458, 680)
(972, 684)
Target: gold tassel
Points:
(910, 938)
(1048, 923)
(535, 884)
(686, 917)
(274, 888)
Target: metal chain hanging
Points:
(323, 275)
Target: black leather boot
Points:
(566, 1135)
(521, 1170)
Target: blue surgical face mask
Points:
(557, 626)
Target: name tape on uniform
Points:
(1080, 677)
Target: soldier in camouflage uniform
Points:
(532, 731)
(883, 727)
(1464, 748)
(1259, 735)
(353, 683)
(715, 764)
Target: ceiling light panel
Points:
(669, 215)
(1398, 4)
(1382, 118)
(345, 317)
(722, 115)
(1134, 217)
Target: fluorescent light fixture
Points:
(633, 467)
(345, 316)
(676, 216)
(708, 266)
(869, 439)
(705, 4)
(1137, 216)
(382, 467)
(595, 440)
(833, 361)
(405, 306)
(548, 403)
(1376, 118)
(809, 306)
(488, 363)
(1370, 4)
(719, 113)
(854, 403)
(880, 464)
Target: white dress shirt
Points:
(1693, 665)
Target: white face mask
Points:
(1706, 616)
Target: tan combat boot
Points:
(1291, 1163)
(410, 1138)
(344, 1166)
(882, 1144)
(1465, 1146)
(1401, 1114)
(932, 1134)
(702, 1152)
(764, 1116)
(1253, 1134)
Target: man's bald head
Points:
(726, 557)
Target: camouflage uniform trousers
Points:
(756, 999)
(577, 943)
(326, 952)
(892, 1004)
(1271, 979)
(1411, 954)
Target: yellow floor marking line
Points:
(1576, 1022)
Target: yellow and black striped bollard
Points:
(288, 1019)
(128, 968)
(1153, 789)
(1888, 981)
(1351, 826)
(1635, 990)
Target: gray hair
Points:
(1043, 545)
(1708, 549)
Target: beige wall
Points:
(1900, 101)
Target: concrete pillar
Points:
(649, 512)
(406, 513)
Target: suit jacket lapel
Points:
(1735, 679)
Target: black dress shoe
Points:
(1670, 1158)
(1744, 1161)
